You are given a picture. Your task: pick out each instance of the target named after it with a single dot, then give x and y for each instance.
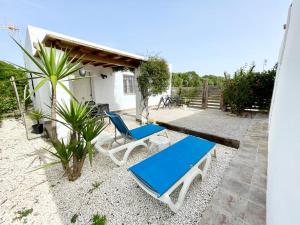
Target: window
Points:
(128, 84)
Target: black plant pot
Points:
(37, 128)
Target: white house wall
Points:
(110, 90)
(283, 195)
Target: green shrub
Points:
(8, 101)
(248, 89)
(7, 104)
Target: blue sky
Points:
(209, 37)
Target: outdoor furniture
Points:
(160, 174)
(158, 143)
(98, 109)
(132, 138)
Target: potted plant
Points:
(37, 115)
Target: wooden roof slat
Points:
(95, 55)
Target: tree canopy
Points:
(154, 77)
(192, 79)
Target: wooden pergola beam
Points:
(98, 59)
(94, 56)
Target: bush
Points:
(249, 89)
(8, 101)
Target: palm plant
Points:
(36, 115)
(53, 67)
(84, 130)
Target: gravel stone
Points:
(55, 200)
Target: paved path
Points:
(241, 196)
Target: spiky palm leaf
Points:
(62, 151)
(74, 114)
(53, 66)
(90, 131)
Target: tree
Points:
(153, 80)
(53, 67)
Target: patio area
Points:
(232, 193)
(208, 121)
(241, 196)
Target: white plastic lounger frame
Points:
(199, 169)
(127, 147)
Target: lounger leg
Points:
(184, 189)
(186, 185)
(128, 148)
(206, 166)
(214, 152)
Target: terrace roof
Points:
(91, 53)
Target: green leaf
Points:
(45, 166)
(67, 90)
(31, 57)
(40, 84)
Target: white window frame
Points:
(127, 90)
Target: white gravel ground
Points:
(55, 200)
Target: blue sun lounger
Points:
(160, 174)
(132, 138)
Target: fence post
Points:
(13, 82)
(222, 105)
(205, 94)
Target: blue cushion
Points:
(162, 170)
(145, 131)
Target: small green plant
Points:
(22, 214)
(98, 220)
(74, 218)
(36, 115)
(95, 185)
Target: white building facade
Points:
(103, 83)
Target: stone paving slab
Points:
(241, 196)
